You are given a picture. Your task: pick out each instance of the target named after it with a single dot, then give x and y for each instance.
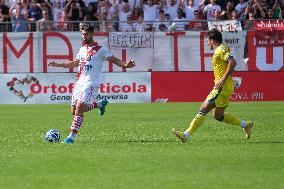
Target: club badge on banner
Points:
(57, 88)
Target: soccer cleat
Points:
(248, 129)
(68, 141)
(179, 135)
(102, 109)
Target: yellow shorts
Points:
(222, 96)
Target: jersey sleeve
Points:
(105, 53)
(78, 56)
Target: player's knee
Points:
(81, 108)
(202, 111)
(73, 109)
(79, 112)
(218, 117)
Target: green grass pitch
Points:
(131, 146)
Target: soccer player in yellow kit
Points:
(218, 99)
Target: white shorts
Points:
(83, 93)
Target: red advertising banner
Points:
(195, 86)
(269, 38)
(264, 58)
(269, 25)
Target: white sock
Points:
(243, 124)
(186, 134)
(72, 135)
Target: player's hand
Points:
(218, 85)
(130, 64)
(52, 64)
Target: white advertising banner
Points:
(131, 87)
(31, 52)
(56, 88)
(131, 40)
(236, 41)
(228, 25)
(180, 51)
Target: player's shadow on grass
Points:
(146, 141)
(267, 142)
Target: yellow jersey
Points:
(219, 62)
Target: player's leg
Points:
(197, 121)
(219, 112)
(73, 109)
(100, 104)
(80, 101)
(75, 96)
(77, 122)
(200, 117)
(222, 102)
(220, 115)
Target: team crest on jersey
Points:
(222, 49)
(89, 57)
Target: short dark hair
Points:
(88, 28)
(162, 27)
(179, 10)
(161, 11)
(215, 34)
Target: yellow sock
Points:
(228, 118)
(195, 123)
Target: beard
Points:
(87, 41)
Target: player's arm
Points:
(230, 69)
(70, 64)
(121, 63)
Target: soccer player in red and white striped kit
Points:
(89, 61)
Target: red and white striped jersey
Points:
(91, 63)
